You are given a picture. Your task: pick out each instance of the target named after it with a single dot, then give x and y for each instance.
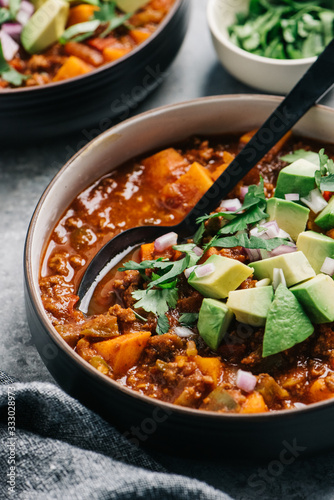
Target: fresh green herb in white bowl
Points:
(258, 66)
(284, 29)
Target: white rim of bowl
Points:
(224, 40)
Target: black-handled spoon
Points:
(310, 88)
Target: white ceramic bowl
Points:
(179, 427)
(277, 76)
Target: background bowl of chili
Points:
(168, 426)
(93, 99)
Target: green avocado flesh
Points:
(316, 247)
(289, 216)
(317, 298)
(287, 324)
(213, 321)
(295, 266)
(296, 178)
(228, 275)
(325, 219)
(129, 6)
(45, 26)
(251, 305)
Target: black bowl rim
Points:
(105, 67)
(60, 342)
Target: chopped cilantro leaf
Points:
(8, 73)
(301, 154)
(189, 250)
(254, 197)
(107, 14)
(155, 301)
(79, 32)
(251, 216)
(163, 324)
(5, 15)
(243, 240)
(188, 319)
(199, 234)
(177, 268)
(324, 177)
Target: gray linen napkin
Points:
(61, 450)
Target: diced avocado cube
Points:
(228, 275)
(295, 266)
(130, 6)
(251, 305)
(317, 298)
(316, 247)
(325, 219)
(296, 178)
(45, 26)
(213, 321)
(286, 325)
(289, 216)
(37, 3)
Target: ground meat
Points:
(163, 347)
(129, 283)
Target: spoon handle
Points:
(316, 81)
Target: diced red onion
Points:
(259, 232)
(282, 249)
(253, 254)
(187, 272)
(272, 229)
(283, 234)
(165, 241)
(328, 266)
(278, 277)
(300, 405)
(231, 205)
(246, 381)
(25, 12)
(198, 251)
(12, 29)
(243, 192)
(315, 201)
(205, 270)
(183, 332)
(9, 46)
(292, 196)
(263, 282)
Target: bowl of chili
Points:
(153, 372)
(86, 77)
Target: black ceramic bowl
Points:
(95, 98)
(143, 420)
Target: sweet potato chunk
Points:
(227, 157)
(71, 68)
(320, 391)
(113, 53)
(254, 404)
(139, 36)
(81, 14)
(210, 367)
(163, 167)
(188, 189)
(123, 352)
(274, 150)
